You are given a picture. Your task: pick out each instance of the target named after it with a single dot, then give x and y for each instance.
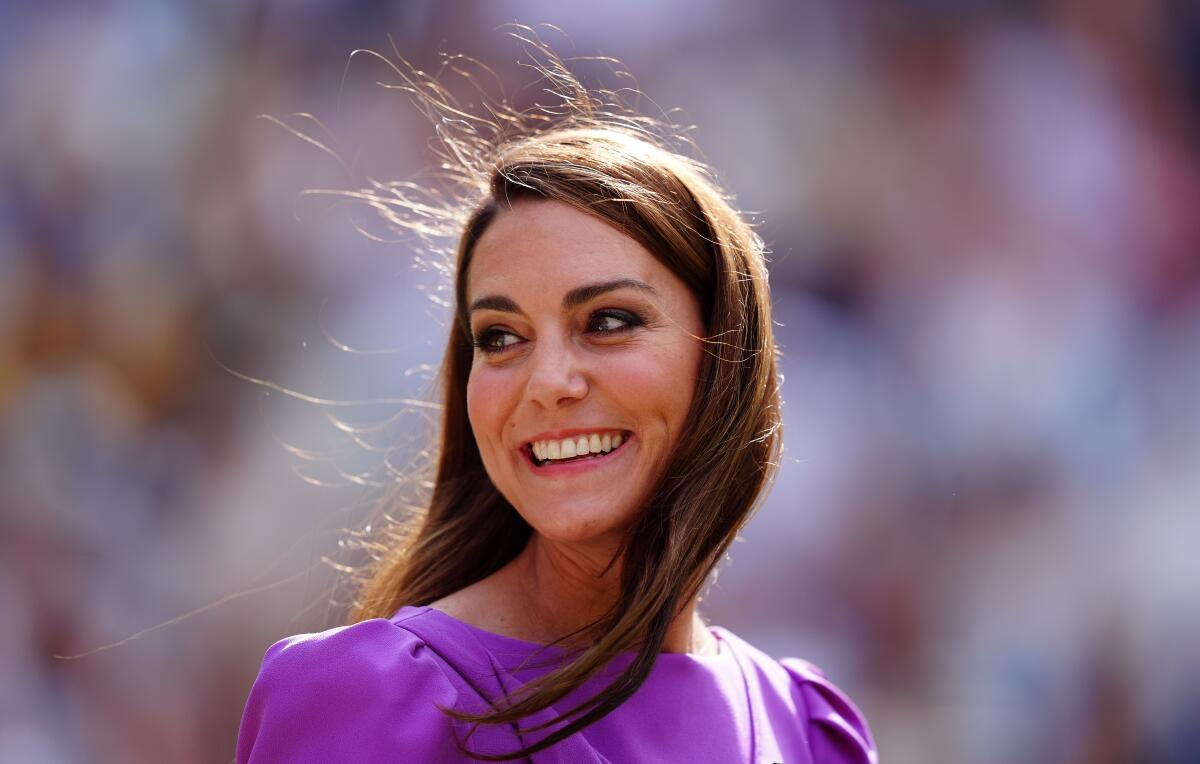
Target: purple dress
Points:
(370, 692)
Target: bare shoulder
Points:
(461, 604)
(484, 604)
(703, 641)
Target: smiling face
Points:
(583, 342)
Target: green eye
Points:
(495, 340)
(612, 321)
(607, 324)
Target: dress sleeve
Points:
(837, 731)
(364, 693)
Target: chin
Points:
(576, 525)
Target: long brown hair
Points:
(592, 152)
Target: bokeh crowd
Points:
(984, 220)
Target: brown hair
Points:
(593, 153)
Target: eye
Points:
(612, 321)
(495, 340)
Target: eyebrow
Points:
(573, 298)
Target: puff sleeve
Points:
(364, 693)
(837, 731)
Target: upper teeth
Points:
(577, 445)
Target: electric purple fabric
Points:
(370, 692)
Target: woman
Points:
(611, 418)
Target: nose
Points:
(556, 376)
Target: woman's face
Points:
(584, 342)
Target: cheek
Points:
(485, 397)
(661, 383)
(684, 371)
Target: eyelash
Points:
(485, 339)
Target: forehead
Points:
(544, 246)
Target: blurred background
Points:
(985, 224)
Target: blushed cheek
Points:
(684, 372)
(492, 396)
(479, 411)
(663, 389)
(680, 362)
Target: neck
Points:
(559, 589)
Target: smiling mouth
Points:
(576, 449)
